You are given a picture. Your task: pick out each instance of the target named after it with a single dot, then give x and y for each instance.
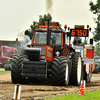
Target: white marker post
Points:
(81, 82)
(84, 83)
(17, 92)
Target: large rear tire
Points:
(60, 71)
(16, 69)
(76, 71)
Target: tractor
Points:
(97, 64)
(5, 53)
(8, 62)
(49, 57)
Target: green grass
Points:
(2, 71)
(95, 95)
(5, 73)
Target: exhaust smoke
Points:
(49, 4)
(22, 44)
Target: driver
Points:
(53, 39)
(77, 40)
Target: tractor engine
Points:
(33, 54)
(33, 66)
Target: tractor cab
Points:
(50, 39)
(97, 64)
(41, 38)
(44, 33)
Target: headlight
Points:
(42, 57)
(49, 54)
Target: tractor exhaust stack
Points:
(48, 35)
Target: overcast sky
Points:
(19, 14)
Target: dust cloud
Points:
(20, 36)
(23, 41)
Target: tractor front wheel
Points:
(16, 69)
(60, 71)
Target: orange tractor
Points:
(49, 57)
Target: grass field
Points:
(5, 73)
(95, 95)
(2, 71)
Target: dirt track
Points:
(32, 92)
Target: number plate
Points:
(79, 32)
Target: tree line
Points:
(95, 8)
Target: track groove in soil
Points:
(40, 91)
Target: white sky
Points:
(19, 14)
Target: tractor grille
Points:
(42, 52)
(49, 54)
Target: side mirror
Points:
(28, 45)
(91, 41)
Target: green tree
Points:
(44, 18)
(95, 8)
(85, 42)
(97, 48)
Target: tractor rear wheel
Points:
(60, 71)
(16, 69)
(76, 71)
